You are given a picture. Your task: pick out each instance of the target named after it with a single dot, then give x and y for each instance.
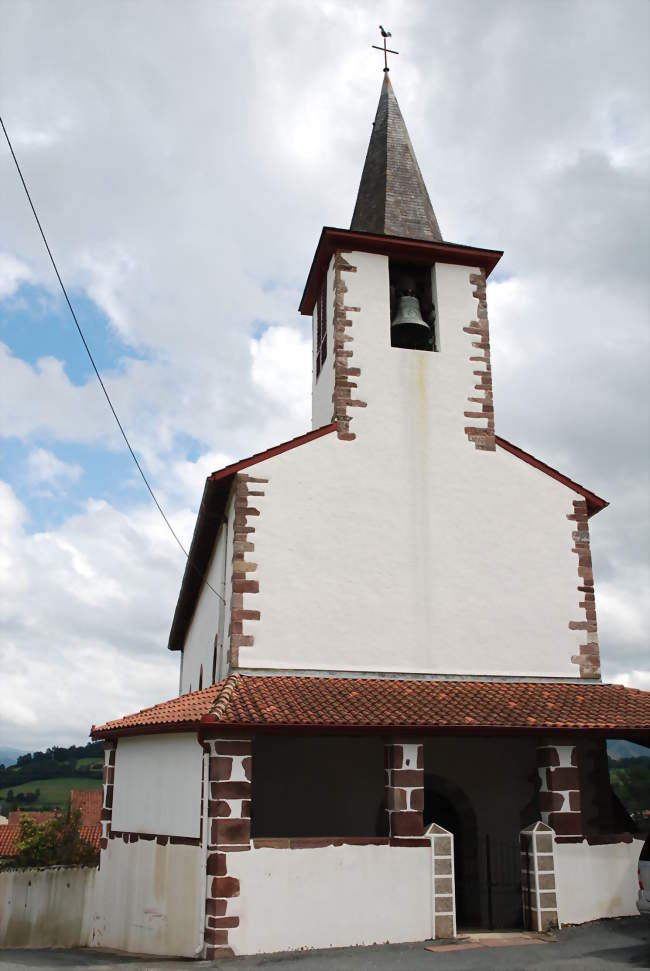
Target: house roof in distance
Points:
(9, 837)
(307, 703)
(392, 198)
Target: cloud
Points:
(13, 272)
(44, 468)
(281, 369)
(183, 167)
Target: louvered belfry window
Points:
(321, 328)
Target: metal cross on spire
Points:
(385, 33)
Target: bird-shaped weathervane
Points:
(385, 33)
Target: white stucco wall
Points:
(148, 898)
(334, 896)
(596, 881)
(322, 408)
(408, 550)
(46, 907)
(211, 616)
(157, 786)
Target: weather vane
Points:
(385, 33)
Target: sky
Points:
(183, 158)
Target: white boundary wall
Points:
(596, 881)
(333, 896)
(148, 899)
(46, 907)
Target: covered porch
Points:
(347, 811)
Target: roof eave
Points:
(594, 503)
(397, 247)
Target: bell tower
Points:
(399, 315)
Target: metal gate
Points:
(503, 868)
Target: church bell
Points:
(407, 328)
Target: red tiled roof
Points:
(89, 802)
(38, 815)
(481, 707)
(9, 836)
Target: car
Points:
(643, 900)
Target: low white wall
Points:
(596, 881)
(46, 908)
(148, 898)
(158, 784)
(333, 896)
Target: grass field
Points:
(96, 760)
(54, 792)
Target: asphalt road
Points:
(604, 946)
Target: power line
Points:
(99, 377)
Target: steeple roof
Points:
(393, 199)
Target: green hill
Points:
(52, 793)
(43, 780)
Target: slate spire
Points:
(392, 198)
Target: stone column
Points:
(404, 764)
(229, 831)
(559, 794)
(444, 882)
(538, 877)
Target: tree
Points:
(55, 842)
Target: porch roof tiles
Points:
(335, 703)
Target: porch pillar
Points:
(228, 819)
(404, 765)
(559, 794)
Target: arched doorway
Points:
(448, 806)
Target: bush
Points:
(55, 842)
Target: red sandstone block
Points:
(214, 953)
(220, 768)
(230, 790)
(574, 802)
(406, 824)
(393, 756)
(406, 778)
(550, 801)
(226, 831)
(547, 756)
(417, 800)
(566, 824)
(396, 799)
(216, 937)
(215, 908)
(246, 586)
(561, 779)
(219, 807)
(225, 887)
(216, 865)
(224, 922)
(247, 765)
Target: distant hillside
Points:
(618, 748)
(43, 780)
(8, 756)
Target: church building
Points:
(391, 724)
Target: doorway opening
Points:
(448, 806)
